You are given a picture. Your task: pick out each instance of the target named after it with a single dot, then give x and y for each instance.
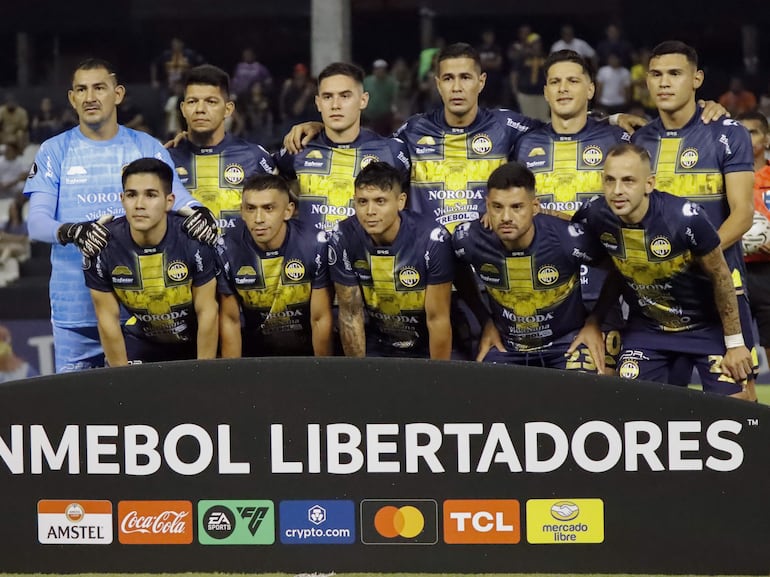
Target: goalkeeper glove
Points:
(201, 225)
(90, 237)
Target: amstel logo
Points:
(177, 271)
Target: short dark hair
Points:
(629, 148)
(510, 175)
(94, 64)
(209, 75)
(267, 181)
(380, 175)
(150, 165)
(676, 47)
(459, 50)
(568, 56)
(757, 116)
(343, 69)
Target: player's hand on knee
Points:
(737, 363)
(590, 336)
(90, 237)
(200, 224)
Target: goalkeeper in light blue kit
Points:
(74, 187)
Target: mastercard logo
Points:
(390, 522)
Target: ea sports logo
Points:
(219, 522)
(660, 247)
(592, 155)
(74, 512)
(177, 271)
(409, 277)
(391, 522)
(294, 270)
(234, 174)
(481, 144)
(564, 511)
(689, 158)
(548, 274)
(629, 370)
(368, 159)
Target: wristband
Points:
(613, 119)
(734, 341)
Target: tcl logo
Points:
(482, 521)
(155, 522)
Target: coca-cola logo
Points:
(155, 522)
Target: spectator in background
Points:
(173, 121)
(404, 77)
(614, 43)
(528, 80)
(12, 368)
(568, 41)
(174, 62)
(737, 99)
(613, 86)
(764, 102)
(640, 94)
(131, 116)
(296, 102)
(247, 72)
(382, 89)
(13, 171)
(491, 56)
(14, 123)
(46, 122)
(257, 116)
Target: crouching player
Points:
(276, 273)
(165, 279)
(394, 266)
(530, 266)
(673, 274)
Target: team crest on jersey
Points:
(629, 369)
(481, 144)
(592, 155)
(234, 174)
(548, 274)
(688, 158)
(368, 159)
(660, 246)
(294, 270)
(177, 271)
(409, 277)
(32, 170)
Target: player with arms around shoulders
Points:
(165, 279)
(394, 267)
(530, 265)
(670, 267)
(75, 180)
(276, 277)
(212, 163)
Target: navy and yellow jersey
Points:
(325, 172)
(451, 166)
(154, 284)
(274, 287)
(393, 279)
(665, 288)
(691, 163)
(215, 175)
(568, 167)
(534, 293)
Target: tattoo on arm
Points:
(351, 320)
(715, 266)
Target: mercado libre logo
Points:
(385, 522)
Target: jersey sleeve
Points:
(95, 273)
(401, 155)
(265, 160)
(204, 262)
(340, 266)
(738, 152)
(583, 247)
(284, 162)
(42, 188)
(439, 257)
(224, 264)
(321, 262)
(462, 244)
(699, 233)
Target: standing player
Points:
(326, 169)
(683, 307)
(210, 162)
(758, 263)
(708, 164)
(395, 266)
(530, 265)
(75, 180)
(277, 276)
(165, 279)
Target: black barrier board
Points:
(298, 465)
